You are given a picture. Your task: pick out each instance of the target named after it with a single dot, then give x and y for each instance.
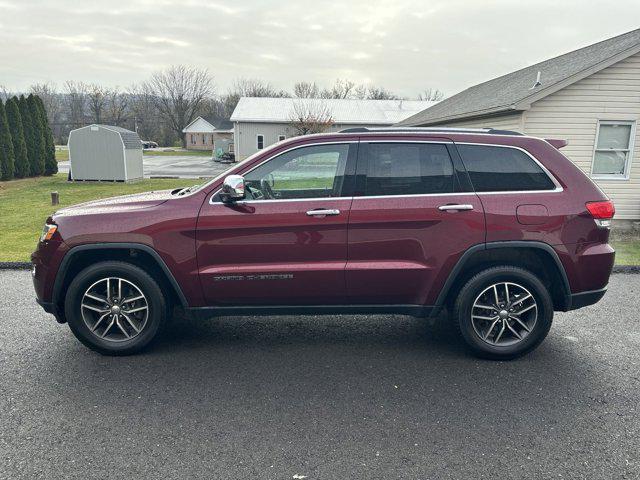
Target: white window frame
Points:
(257, 144)
(281, 138)
(627, 166)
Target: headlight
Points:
(47, 232)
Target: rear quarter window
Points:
(503, 169)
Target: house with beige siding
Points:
(201, 134)
(260, 122)
(589, 97)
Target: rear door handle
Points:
(445, 208)
(323, 212)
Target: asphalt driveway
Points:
(367, 397)
(187, 166)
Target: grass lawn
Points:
(26, 204)
(62, 154)
(627, 251)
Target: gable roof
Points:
(130, 139)
(514, 92)
(343, 111)
(202, 125)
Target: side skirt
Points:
(207, 312)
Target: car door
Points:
(413, 216)
(286, 244)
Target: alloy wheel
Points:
(504, 314)
(114, 309)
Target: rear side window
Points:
(503, 169)
(407, 168)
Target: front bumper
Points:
(53, 309)
(583, 299)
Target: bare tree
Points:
(75, 103)
(380, 93)
(310, 116)
(306, 90)
(97, 100)
(142, 107)
(341, 89)
(248, 87)
(179, 93)
(5, 94)
(116, 106)
(431, 95)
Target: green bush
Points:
(38, 162)
(50, 163)
(6, 147)
(14, 119)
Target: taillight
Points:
(602, 212)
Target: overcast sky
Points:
(403, 45)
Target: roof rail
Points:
(487, 131)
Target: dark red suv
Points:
(498, 228)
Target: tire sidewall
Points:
(480, 282)
(151, 290)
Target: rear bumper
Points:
(583, 299)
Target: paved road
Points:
(378, 397)
(193, 166)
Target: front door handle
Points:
(455, 207)
(323, 212)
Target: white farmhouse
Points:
(260, 122)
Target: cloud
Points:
(167, 41)
(404, 45)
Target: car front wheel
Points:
(115, 308)
(503, 312)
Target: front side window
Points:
(260, 142)
(193, 139)
(613, 150)
(503, 169)
(307, 172)
(407, 169)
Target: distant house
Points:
(260, 122)
(589, 97)
(201, 134)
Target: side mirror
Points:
(232, 189)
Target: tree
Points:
(341, 89)
(53, 106)
(14, 119)
(431, 95)
(97, 100)
(37, 164)
(179, 92)
(380, 93)
(50, 163)
(310, 116)
(116, 107)
(6, 147)
(75, 103)
(248, 87)
(306, 90)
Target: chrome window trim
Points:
(315, 144)
(558, 188)
(551, 177)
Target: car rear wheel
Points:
(115, 308)
(503, 312)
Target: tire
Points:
(141, 324)
(531, 326)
